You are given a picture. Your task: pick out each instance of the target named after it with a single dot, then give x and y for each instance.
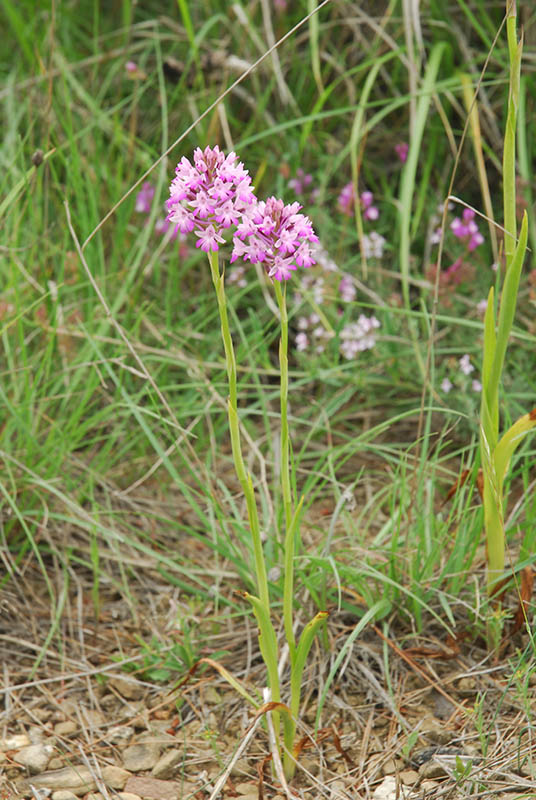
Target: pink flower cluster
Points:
(215, 193)
(466, 229)
(277, 236)
(209, 195)
(346, 202)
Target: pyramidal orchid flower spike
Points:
(277, 236)
(209, 195)
(209, 198)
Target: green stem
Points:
(234, 427)
(291, 520)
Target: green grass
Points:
(114, 437)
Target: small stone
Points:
(467, 685)
(14, 742)
(35, 757)
(64, 794)
(42, 714)
(389, 767)
(129, 688)
(310, 764)
(240, 768)
(94, 796)
(434, 730)
(65, 728)
(157, 789)
(94, 718)
(408, 777)
(386, 790)
(244, 788)
(36, 734)
(79, 779)
(115, 777)
(120, 735)
(166, 764)
(432, 769)
(211, 696)
(428, 786)
(55, 763)
(128, 796)
(141, 756)
(108, 701)
(337, 788)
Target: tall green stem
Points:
(234, 426)
(290, 528)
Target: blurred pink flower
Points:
(401, 149)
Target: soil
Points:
(407, 716)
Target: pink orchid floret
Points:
(209, 195)
(277, 236)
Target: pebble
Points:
(128, 796)
(166, 764)
(115, 777)
(35, 757)
(337, 789)
(310, 764)
(435, 731)
(14, 742)
(244, 788)
(65, 728)
(64, 794)
(94, 796)
(129, 688)
(211, 696)
(467, 685)
(42, 714)
(386, 790)
(78, 779)
(408, 776)
(120, 735)
(240, 768)
(157, 789)
(428, 786)
(36, 734)
(432, 769)
(93, 718)
(141, 756)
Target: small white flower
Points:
(446, 385)
(302, 342)
(476, 386)
(465, 365)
